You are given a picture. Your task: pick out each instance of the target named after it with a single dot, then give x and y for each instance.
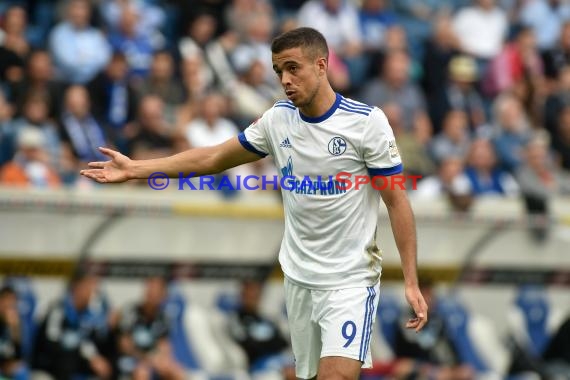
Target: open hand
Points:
(418, 304)
(113, 171)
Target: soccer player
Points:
(329, 255)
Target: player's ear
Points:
(322, 65)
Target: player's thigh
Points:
(338, 368)
(305, 332)
(346, 318)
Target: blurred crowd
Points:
(477, 91)
(81, 335)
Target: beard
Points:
(309, 98)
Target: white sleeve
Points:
(380, 152)
(255, 137)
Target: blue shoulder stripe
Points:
(362, 112)
(284, 102)
(355, 103)
(348, 105)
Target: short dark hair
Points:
(308, 39)
(7, 290)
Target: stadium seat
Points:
(175, 308)
(389, 311)
(27, 302)
(533, 320)
(200, 340)
(474, 337)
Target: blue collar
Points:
(325, 116)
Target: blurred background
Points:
(126, 282)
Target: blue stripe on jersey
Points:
(367, 315)
(247, 145)
(284, 101)
(357, 107)
(283, 105)
(362, 112)
(386, 171)
(367, 344)
(355, 103)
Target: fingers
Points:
(109, 152)
(420, 310)
(94, 174)
(97, 165)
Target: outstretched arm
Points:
(202, 161)
(404, 230)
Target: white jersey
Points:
(330, 232)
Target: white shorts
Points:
(330, 323)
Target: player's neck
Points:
(323, 102)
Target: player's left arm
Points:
(404, 230)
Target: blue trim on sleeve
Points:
(386, 171)
(247, 145)
(325, 116)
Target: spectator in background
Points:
(481, 29)
(30, 166)
(556, 58)
(512, 131)
(266, 348)
(81, 133)
(252, 95)
(79, 50)
(450, 182)
(338, 21)
(11, 361)
(35, 116)
(439, 49)
(150, 135)
(162, 82)
(417, 18)
(133, 44)
(73, 338)
(558, 99)
(11, 66)
(197, 79)
(411, 146)
(540, 181)
(560, 141)
(460, 94)
(114, 99)
(13, 31)
(538, 178)
(144, 348)
(151, 17)
(210, 127)
(394, 86)
(517, 68)
(13, 44)
(5, 118)
(545, 17)
(39, 81)
(258, 32)
(375, 19)
(454, 140)
(486, 177)
(202, 45)
(238, 11)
